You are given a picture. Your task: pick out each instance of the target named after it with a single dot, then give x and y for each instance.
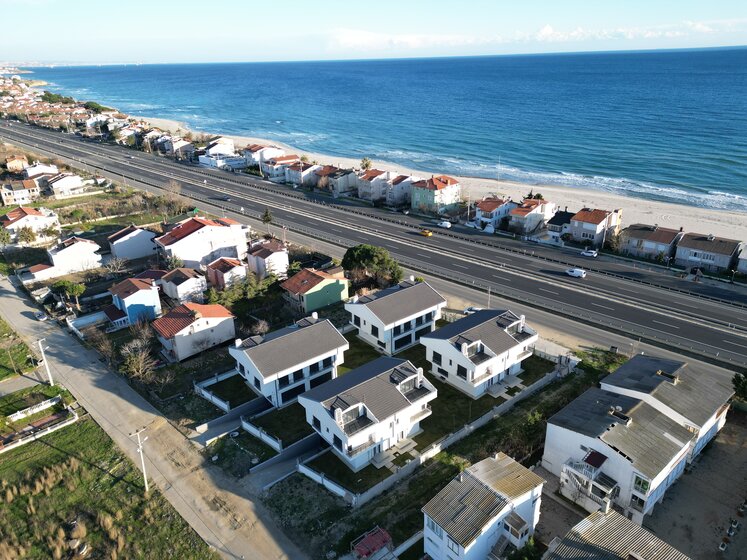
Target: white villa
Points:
(255, 154)
(370, 409)
(184, 284)
(132, 242)
(73, 254)
(479, 351)
(399, 190)
(274, 168)
(394, 319)
(191, 328)
(283, 364)
(487, 507)
(531, 215)
(373, 184)
(66, 185)
(199, 241)
(337, 181)
(37, 219)
(491, 210)
(301, 173)
(267, 258)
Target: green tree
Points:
(26, 235)
(50, 231)
(4, 237)
(304, 158)
(373, 261)
(171, 262)
(529, 551)
(267, 218)
(76, 290)
(740, 386)
(366, 164)
(293, 268)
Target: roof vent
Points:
(674, 378)
(711, 237)
(315, 315)
(237, 342)
(616, 411)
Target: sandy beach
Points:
(732, 225)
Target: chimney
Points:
(315, 315)
(464, 348)
(681, 229)
(566, 209)
(522, 319)
(412, 278)
(606, 506)
(237, 342)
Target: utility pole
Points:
(488, 297)
(141, 451)
(44, 360)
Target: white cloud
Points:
(361, 40)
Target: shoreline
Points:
(722, 223)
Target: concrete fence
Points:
(201, 389)
(409, 543)
(79, 323)
(259, 433)
(26, 412)
(36, 434)
(333, 487)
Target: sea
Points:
(658, 125)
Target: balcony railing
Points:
(353, 451)
(418, 416)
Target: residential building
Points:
(274, 168)
(484, 509)
(222, 161)
(180, 149)
(20, 192)
(491, 211)
(394, 319)
(742, 262)
(221, 146)
(16, 164)
(199, 241)
(607, 535)
(133, 300)
(309, 290)
(370, 409)
(595, 227)
(191, 328)
(708, 252)
(438, 195)
(73, 254)
(224, 272)
(610, 447)
(184, 284)
(479, 351)
(255, 154)
(66, 185)
(399, 190)
(301, 173)
(649, 242)
(531, 216)
(337, 181)
(287, 362)
(267, 258)
(559, 225)
(373, 184)
(132, 242)
(688, 394)
(40, 169)
(37, 219)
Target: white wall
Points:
(189, 290)
(138, 244)
(213, 331)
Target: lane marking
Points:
(424, 256)
(736, 343)
(548, 291)
(602, 306)
(459, 266)
(665, 324)
(501, 278)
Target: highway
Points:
(707, 321)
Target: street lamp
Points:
(141, 451)
(44, 360)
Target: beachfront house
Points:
(132, 242)
(559, 225)
(480, 350)
(274, 168)
(225, 272)
(607, 534)
(373, 184)
(38, 220)
(191, 328)
(605, 446)
(133, 300)
(222, 161)
(491, 211)
(73, 254)
(255, 154)
(650, 242)
(16, 163)
(38, 169)
(707, 252)
(268, 257)
(484, 509)
(336, 181)
(20, 192)
(184, 284)
(438, 195)
(220, 146)
(301, 173)
(394, 319)
(595, 227)
(399, 190)
(199, 241)
(309, 290)
(180, 149)
(285, 363)
(531, 216)
(369, 410)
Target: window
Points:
(375, 331)
(257, 384)
(452, 546)
(297, 375)
(637, 503)
(327, 362)
(241, 368)
(317, 424)
(434, 528)
(397, 330)
(284, 381)
(641, 485)
(356, 320)
(337, 443)
(461, 372)
(314, 368)
(437, 358)
(443, 372)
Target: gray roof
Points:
(287, 348)
(697, 394)
(709, 244)
(372, 384)
(561, 218)
(650, 440)
(509, 478)
(487, 326)
(653, 233)
(612, 536)
(403, 300)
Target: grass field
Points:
(535, 368)
(29, 397)
(358, 354)
(337, 471)
(14, 353)
(237, 455)
(233, 389)
(287, 424)
(78, 475)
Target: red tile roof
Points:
(180, 275)
(526, 206)
(490, 204)
(17, 214)
(254, 148)
(305, 280)
(29, 184)
(436, 183)
(180, 317)
(283, 159)
(224, 264)
(326, 171)
(129, 286)
(371, 174)
(264, 250)
(184, 229)
(39, 267)
(399, 178)
(152, 273)
(227, 222)
(113, 313)
(10, 159)
(589, 216)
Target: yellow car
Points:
(426, 232)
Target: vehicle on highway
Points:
(576, 272)
(426, 232)
(130, 157)
(405, 212)
(589, 253)
(470, 310)
(444, 224)
(41, 316)
(472, 225)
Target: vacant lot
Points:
(73, 487)
(236, 455)
(357, 482)
(14, 353)
(287, 424)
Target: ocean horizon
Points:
(659, 125)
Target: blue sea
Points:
(661, 125)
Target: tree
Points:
(366, 164)
(374, 261)
(539, 196)
(304, 158)
(26, 235)
(530, 551)
(142, 331)
(261, 327)
(173, 262)
(116, 265)
(740, 386)
(137, 361)
(101, 343)
(267, 218)
(173, 194)
(76, 290)
(4, 237)
(293, 268)
(50, 231)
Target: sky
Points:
(147, 31)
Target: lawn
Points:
(233, 389)
(535, 368)
(29, 397)
(14, 353)
(402, 459)
(237, 455)
(415, 552)
(78, 474)
(199, 368)
(287, 424)
(333, 468)
(188, 411)
(358, 354)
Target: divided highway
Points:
(709, 322)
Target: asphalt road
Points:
(653, 304)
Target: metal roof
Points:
(697, 393)
(611, 536)
(487, 326)
(509, 478)
(403, 300)
(709, 244)
(646, 437)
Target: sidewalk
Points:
(222, 511)
(19, 382)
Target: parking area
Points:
(697, 510)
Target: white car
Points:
(471, 310)
(444, 224)
(589, 253)
(576, 272)
(41, 316)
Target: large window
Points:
(435, 529)
(375, 331)
(637, 503)
(452, 546)
(437, 358)
(337, 443)
(284, 381)
(356, 320)
(462, 372)
(641, 485)
(317, 424)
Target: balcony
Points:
(355, 426)
(353, 451)
(484, 377)
(417, 393)
(418, 416)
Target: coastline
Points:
(731, 225)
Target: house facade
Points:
(20, 192)
(649, 242)
(274, 168)
(255, 154)
(16, 164)
(267, 258)
(531, 215)
(132, 242)
(309, 290)
(37, 219)
(191, 328)
(373, 184)
(73, 254)
(559, 225)
(224, 272)
(437, 195)
(711, 253)
(498, 503)
(199, 241)
(399, 190)
(301, 174)
(184, 284)
(480, 350)
(66, 185)
(595, 227)
(491, 211)
(396, 318)
(133, 300)
(337, 181)
(369, 409)
(286, 363)
(38, 169)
